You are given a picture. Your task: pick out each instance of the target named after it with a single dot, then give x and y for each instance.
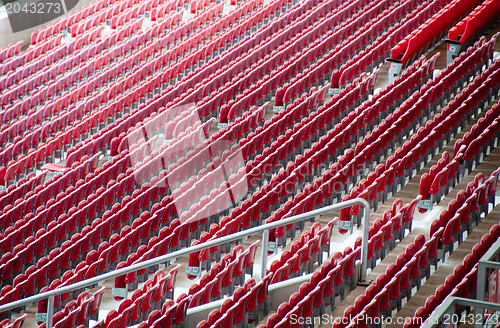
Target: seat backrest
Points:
(180, 313)
(96, 301)
(19, 321)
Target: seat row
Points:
(222, 279)
(325, 285)
(297, 35)
(466, 211)
(19, 223)
(242, 308)
(309, 55)
(211, 283)
(150, 298)
(106, 135)
(462, 283)
(376, 52)
(329, 191)
(303, 253)
(381, 299)
(480, 141)
(62, 53)
(172, 314)
(17, 214)
(447, 172)
(363, 36)
(10, 195)
(24, 80)
(54, 129)
(337, 273)
(239, 216)
(408, 158)
(199, 261)
(111, 134)
(168, 221)
(92, 80)
(10, 69)
(329, 280)
(78, 312)
(62, 26)
(6, 323)
(10, 51)
(391, 287)
(431, 31)
(42, 133)
(82, 20)
(468, 27)
(351, 96)
(81, 247)
(79, 223)
(256, 201)
(386, 231)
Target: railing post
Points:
(394, 70)
(263, 260)
(364, 241)
(480, 292)
(50, 311)
(452, 52)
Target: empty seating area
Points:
(477, 22)
(130, 130)
(431, 31)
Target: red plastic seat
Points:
(96, 302)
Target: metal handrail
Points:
(446, 309)
(264, 228)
